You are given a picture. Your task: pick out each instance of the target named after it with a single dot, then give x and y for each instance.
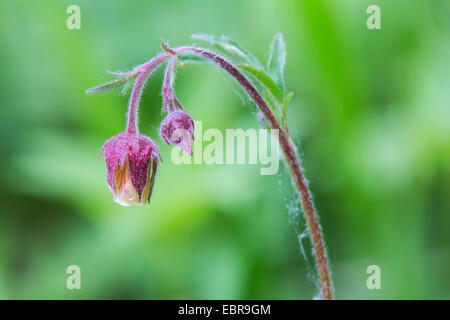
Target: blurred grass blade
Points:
(265, 79)
(277, 60)
(229, 46)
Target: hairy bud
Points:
(178, 129)
(131, 163)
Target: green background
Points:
(371, 110)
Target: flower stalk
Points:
(178, 119)
(143, 71)
(298, 178)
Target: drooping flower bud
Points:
(178, 129)
(131, 163)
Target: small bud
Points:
(178, 129)
(131, 163)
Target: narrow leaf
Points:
(229, 46)
(277, 60)
(286, 104)
(128, 85)
(272, 105)
(265, 79)
(190, 57)
(107, 86)
(123, 74)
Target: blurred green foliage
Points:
(371, 110)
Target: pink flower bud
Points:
(131, 162)
(178, 129)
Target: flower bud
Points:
(131, 162)
(178, 129)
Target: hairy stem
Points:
(294, 167)
(144, 71)
(169, 98)
(286, 143)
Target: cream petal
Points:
(124, 193)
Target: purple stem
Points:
(133, 105)
(168, 92)
(294, 166)
(285, 142)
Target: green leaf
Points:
(286, 104)
(128, 76)
(277, 60)
(107, 86)
(128, 85)
(190, 57)
(229, 46)
(272, 106)
(265, 79)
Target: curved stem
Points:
(294, 168)
(168, 92)
(284, 140)
(133, 105)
